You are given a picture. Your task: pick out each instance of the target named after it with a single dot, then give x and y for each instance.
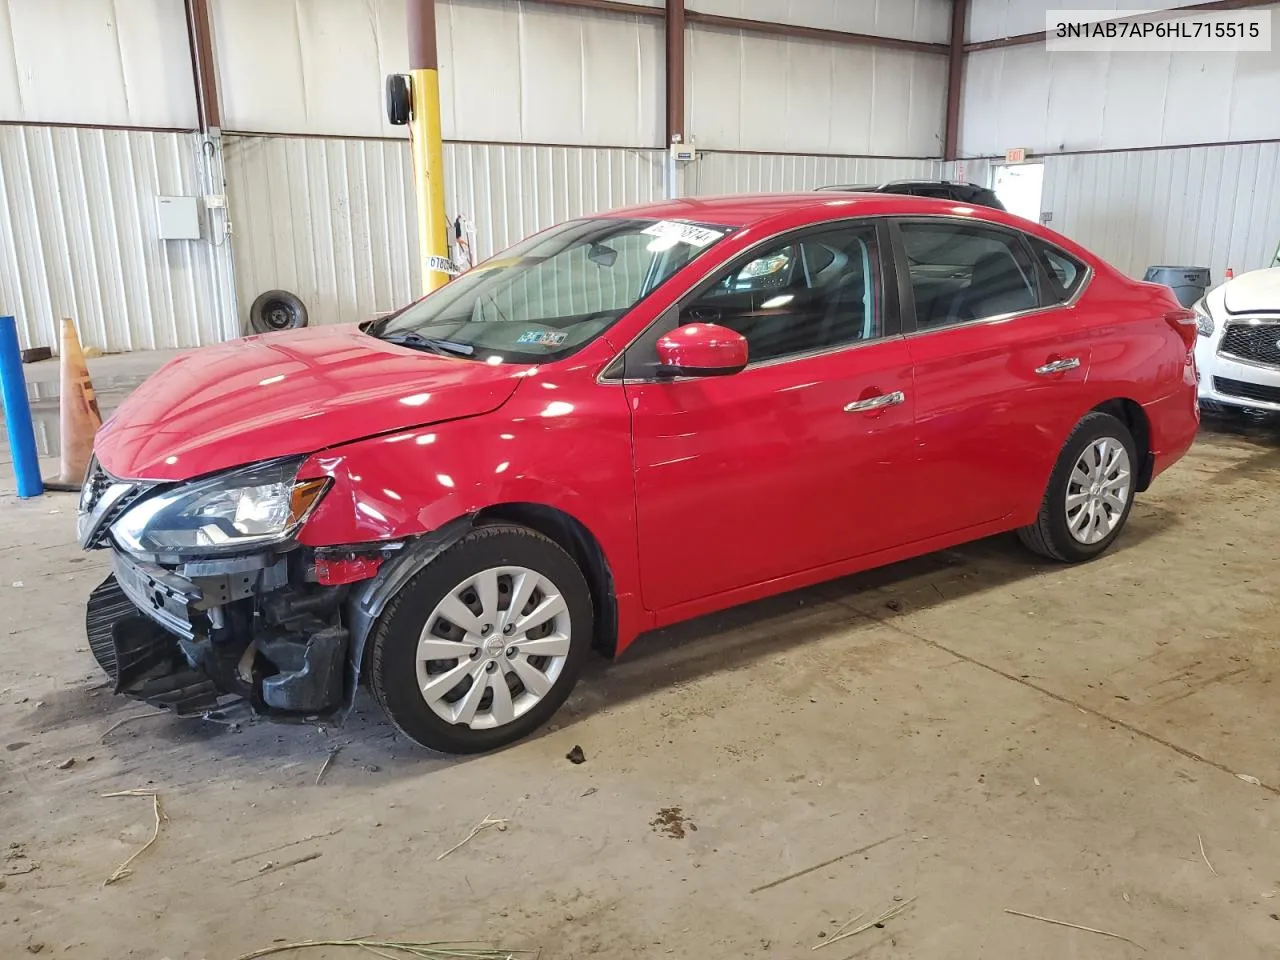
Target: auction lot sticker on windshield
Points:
(683, 232)
(543, 338)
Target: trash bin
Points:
(1187, 283)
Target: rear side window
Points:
(961, 272)
(1065, 272)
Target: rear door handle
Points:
(1058, 366)
(876, 403)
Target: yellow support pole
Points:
(428, 149)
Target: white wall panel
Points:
(509, 71)
(333, 220)
(1216, 207)
(992, 19)
(1025, 97)
(752, 92)
(1213, 207)
(714, 174)
(78, 238)
(106, 62)
(927, 20)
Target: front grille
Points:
(1246, 391)
(101, 536)
(97, 482)
(1256, 342)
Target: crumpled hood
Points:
(289, 393)
(1257, 291)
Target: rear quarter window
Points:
(1066, 274)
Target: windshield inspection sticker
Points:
(683, 232)
(543, 338)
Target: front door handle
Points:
(876, 403)
(1058, 366)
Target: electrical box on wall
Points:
(684, 152)
(178, 218)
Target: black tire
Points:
(1049, 535)
(277, 310)
(393, 670)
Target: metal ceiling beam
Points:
(608, 6)
(955, 79)
(203, 73)
(1023, 39)
(795, 31)
(675, 71)
(766, 27)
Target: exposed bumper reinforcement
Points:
(142, 659)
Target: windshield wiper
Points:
(408, 338)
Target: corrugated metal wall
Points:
(717, 173)
(79, 238)
(752, 92)
(989, 19)
(96, 62)
(333, 220)
(1213, 207)
(928, 20)
(509, 71)
(1216, 207)
(1024, 96)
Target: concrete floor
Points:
(974, 729)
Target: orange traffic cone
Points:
(78, 418)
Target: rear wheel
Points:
(1090, 492)
(483, 645)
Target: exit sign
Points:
(1015, 155)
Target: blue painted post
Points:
(17, 412)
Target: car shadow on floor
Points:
(743, 635)
(372, 750)
(1261, 427)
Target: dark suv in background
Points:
(941, 189)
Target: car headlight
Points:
(1204, 322)
(250, 507)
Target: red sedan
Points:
(622, 422)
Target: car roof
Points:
(796, 210)
(746, 209)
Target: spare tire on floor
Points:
(277, 310)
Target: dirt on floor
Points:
(955, 738)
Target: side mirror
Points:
(701, 350)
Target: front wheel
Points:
(484, 644)
(1090, 492)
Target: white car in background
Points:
(1238, 349)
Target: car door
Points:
(1000, 364)
(794, 462)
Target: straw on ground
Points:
(398, 949)
(488, 821)
(1075, 926)
(123, 870)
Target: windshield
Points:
(552, 294)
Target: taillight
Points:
(1184, 322)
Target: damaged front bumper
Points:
(201, 636)
(284, 632)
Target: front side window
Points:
(809, 293)
(961, 272)
(552, 294)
